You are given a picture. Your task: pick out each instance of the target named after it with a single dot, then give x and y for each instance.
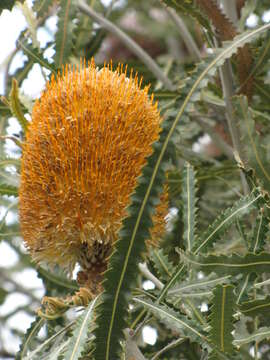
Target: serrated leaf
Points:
(174, 320)
(162, 264)
(15, 105)
(256, 154)
(221, 318)
(65, 32)
(260, 231)
(197, 285)
(10, 161)
(189, 204)
(255, 307)
(221, 224)
(36, 56)
(8, 190)
(32, 23)
(28, 337)
(260, 334)
(77, 342)
(42, 6)
(121, 276)
(56, 280)
(233, 265)
(187, 8)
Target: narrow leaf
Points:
(255, 307)
(8, 190)
(30, 334)
(260, 334)
(174, 320)
(15, 105)
(189, 204)
(215, 230)
(256, 153)
(233, 265)
(221, 318)
(77, 342)
(162, 264)
(65, 32)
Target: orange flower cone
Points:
(90, 135)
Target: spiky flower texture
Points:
(90, 134)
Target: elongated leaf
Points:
(189, 203)
(162, 264)
(198, 285)
(29, 336)
(233, 265)
(255, 307)
(221, 318)
(260, 231)
(15, 105)
(77, 342)
(36, 56)
(255, 152)
(65, 32)
(260, 334)
(174, 320)
(8, 190)
(10, 161)
(42, 6)
(121, 276)
(56, 280)
(215, 230)
(187, 8)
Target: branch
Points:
(183, 32)
(146, 273)
(130, 43)
(216, 138)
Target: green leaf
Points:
(36, 56)
(42, 6)
(15, 105)
(233, 265)
(121, 276)
(221, 224)
(7, 4)
(8, 190)
(221, 318)
(186, 7)
(3, 294)
(10, 161)
(255, 307)
(258, 335)
(260, 231)
(256, 153)
(162, 264)
(207, 283)
(29, 336)
(65, 33)
(189, 204)
(77, 342)
(55, 280)
(174, 320)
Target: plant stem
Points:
(130, 43)
(184, 33)
(145, 271)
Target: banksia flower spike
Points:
(90, 134)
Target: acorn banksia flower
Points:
(90, 134)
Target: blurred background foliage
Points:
(176, 38)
